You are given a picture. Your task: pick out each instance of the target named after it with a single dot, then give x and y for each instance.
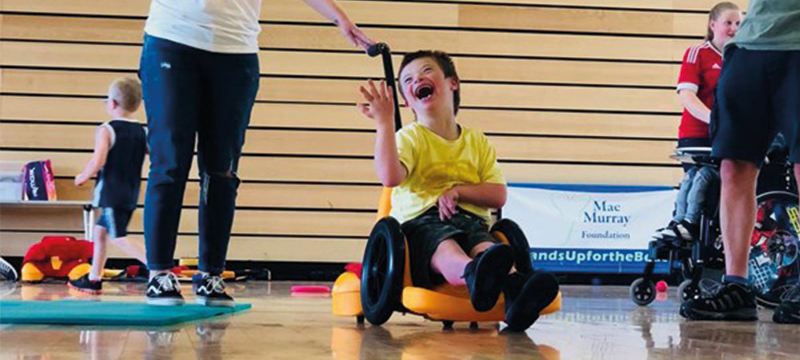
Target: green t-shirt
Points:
(770, 25)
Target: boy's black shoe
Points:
(526, 296)
(211, 292)
(729, 301)
(83, 284)
(164, 289)
(486, 275)
(788, 312)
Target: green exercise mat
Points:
(105, 313)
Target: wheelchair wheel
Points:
(687, 291)
(643, 291)
(382, 274)
(505, 228)
(774, 251)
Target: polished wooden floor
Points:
(596, 323)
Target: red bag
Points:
(38, 181)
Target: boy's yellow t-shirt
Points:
(435, 165)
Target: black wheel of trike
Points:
(382, 274)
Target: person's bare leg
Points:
(737, 213)
(450, 260)
(132, 248)
(99, 254)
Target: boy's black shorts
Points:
(758, 95)
(425, 232)
(115, 220)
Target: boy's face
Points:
(424, 86)
(111, 105)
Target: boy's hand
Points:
(447, 204)
(80, 179)
(381, 103)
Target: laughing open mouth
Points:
(423, 92)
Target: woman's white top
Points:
(222, 26)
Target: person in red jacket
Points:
(700, 71)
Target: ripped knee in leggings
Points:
(228, 178)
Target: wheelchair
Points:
(772, 264)
(385, 285)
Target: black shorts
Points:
(425, 232)
(758, 95)
(115, 220)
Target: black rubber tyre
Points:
(517, 240)
(382, 274)
(643, 292)
(687, 291)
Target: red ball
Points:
(661, 286)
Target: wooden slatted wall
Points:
(570, 91)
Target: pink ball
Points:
(661, 286)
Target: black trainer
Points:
(83, 284)
(772, 299)
(164, 289)
(788, 312)
(7, 272)
(683, 231)
(211, 292)
(729, 301)
(658, 234)
(526, 296)
(486, 275)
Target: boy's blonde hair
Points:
(127, 92)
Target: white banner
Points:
(589, 231)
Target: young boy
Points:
(119, 150)
(446, 179)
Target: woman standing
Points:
(200, 75)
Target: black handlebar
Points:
(388, 70)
